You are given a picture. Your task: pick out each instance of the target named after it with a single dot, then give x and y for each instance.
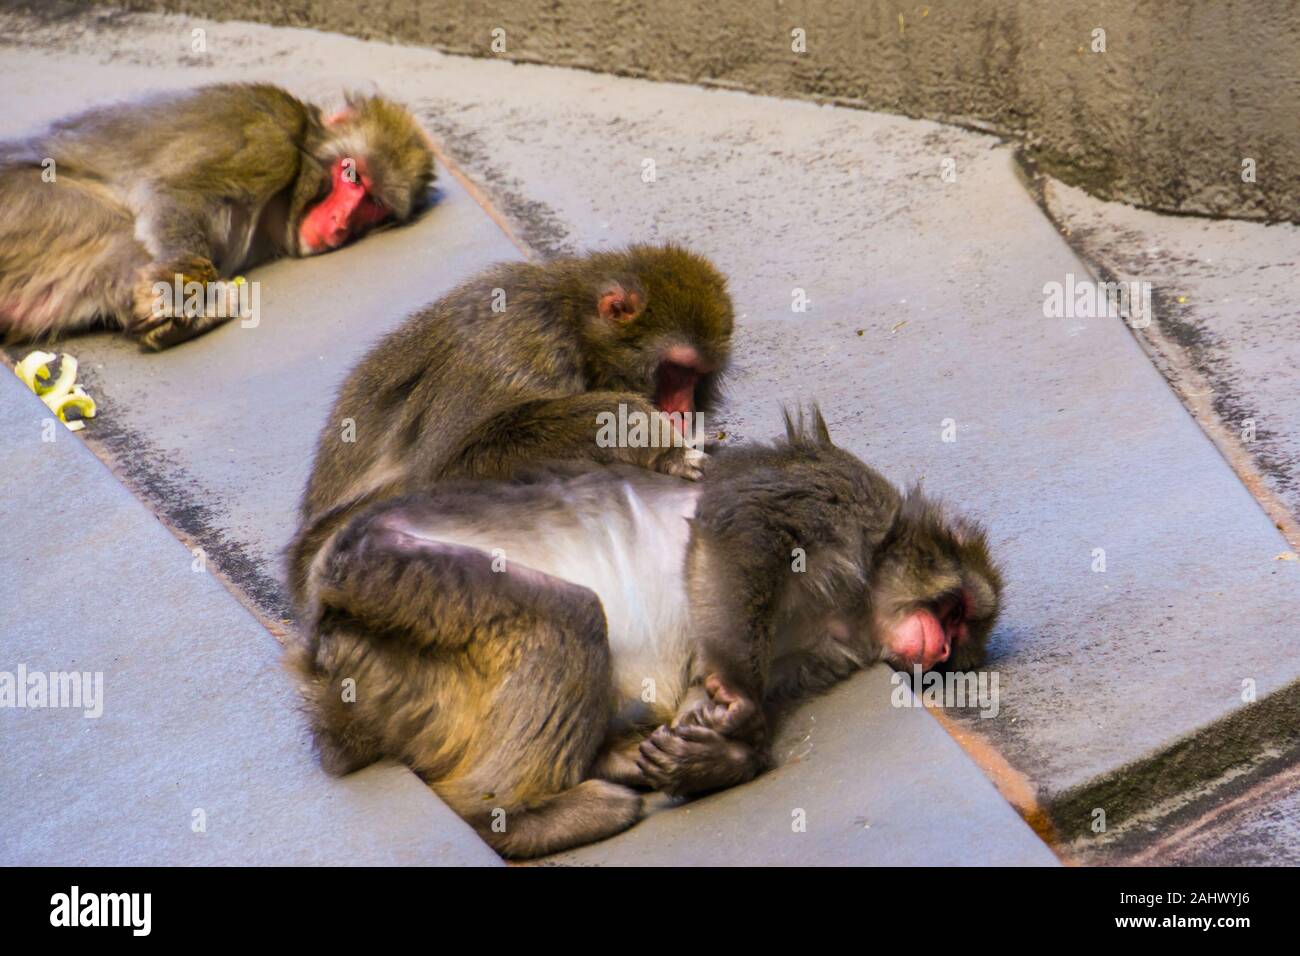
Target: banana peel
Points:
(53, 378)
(34, 370)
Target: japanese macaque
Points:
(516, 366)
(544, 649)
(104, 212)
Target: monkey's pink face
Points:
(927, 636)
(348, 211)
(679, 372)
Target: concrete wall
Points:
(1184, 92)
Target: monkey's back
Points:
(621, 532)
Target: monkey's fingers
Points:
(732, 714)
(699, 734)
(143, 324)
(718, 690)
(705, 713)
(656, 766)
(174, 331)
(694, 759)
(682, 462)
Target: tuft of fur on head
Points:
(803, 492)
(807, 430)
(396, 151)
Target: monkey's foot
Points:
(593, 810)
(691, 758)
(733, 715)
(618, 764)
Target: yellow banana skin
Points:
(59, 392)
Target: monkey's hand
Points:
(681, 462)
(692, 758)
(177, 300)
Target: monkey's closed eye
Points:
(953, 609)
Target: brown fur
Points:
(497, 685)
(426, 634)
(462, 391)
(147, 191)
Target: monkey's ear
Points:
(819, 425)
(617, 304)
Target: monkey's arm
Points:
(754, 516)
(186, 221)
(733, 581)
(249, 153)
(573, 427)
(718, 737)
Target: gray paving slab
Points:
(927, 307)
(1258, 828)
(217, 434)
(220, 433)
(197, 754)
(859, 783)
(1226, 329)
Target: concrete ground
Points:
(1225, 326)
(188, 749)
(1121, 689)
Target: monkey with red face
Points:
(185, 190)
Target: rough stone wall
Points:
(1183, 94)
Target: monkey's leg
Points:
(68, 255)
(591, 811)
(336, 659)
(577, 427)
(521, 697)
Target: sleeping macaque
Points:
(514, 367)
(544, 649)
(183, 191)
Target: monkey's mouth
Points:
(678, 373)
(675, 388)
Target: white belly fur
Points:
(632, 555)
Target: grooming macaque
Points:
(517, 366)
(540, 650)
(103, 210)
